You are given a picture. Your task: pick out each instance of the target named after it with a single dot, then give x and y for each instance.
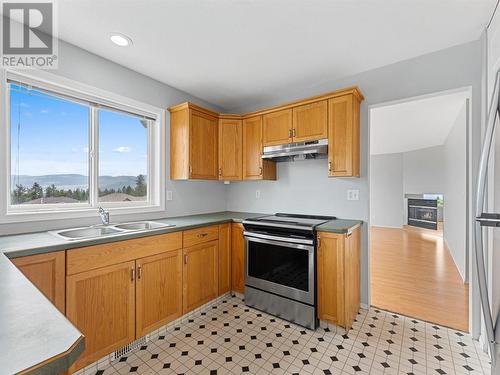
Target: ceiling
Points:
(233, 52)
(415, 124)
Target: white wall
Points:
(386, 190)
(423, 171)
(189, 196)
(455, 193)
(452, 68)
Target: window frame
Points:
(96, 99)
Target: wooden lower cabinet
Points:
(200, 275)
(101, 304)
(224, 258)
(48, 273)
(338, 277)
(158, 291)
(237, 258)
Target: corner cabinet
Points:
(339, 276)
(193, 143)
(230, 149)
(47, 272)
(343, 135)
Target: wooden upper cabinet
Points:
(277, 128)
(200, 275)
(158, 291)
(310, 122)
(48, 273)
(230, 149)
(343, 136)
(193, 143)
(254, 167)
(203, 146)
(101, 304)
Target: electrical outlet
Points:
(257, 194)
(169, 195)
(353, 195)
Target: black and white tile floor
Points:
(230, 338)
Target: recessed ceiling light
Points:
(120, 39)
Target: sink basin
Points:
(88, 232)
(108, 230)
(142, 225)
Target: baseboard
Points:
(454, 262)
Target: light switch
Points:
(257, 194)
(169, 195)
(353, 195)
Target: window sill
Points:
(20, 216)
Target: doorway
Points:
(419, 186)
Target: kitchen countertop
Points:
(43, 242)
(33, 333)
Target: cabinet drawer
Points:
(200, 235)
(93, 257)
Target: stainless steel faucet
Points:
(104, 215)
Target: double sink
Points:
(98, 231)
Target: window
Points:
(123, 157)
(73, 151)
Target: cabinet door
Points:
(331, 277)
(352, 275)
(200, 275)
(310, 122)
(252, 148)
(158, 291)
(277, 128)
(343, 136)
(101, 304)
(224, 258)
(48, 273)
(237, 258)
(230, 149)
(203, 159)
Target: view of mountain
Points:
(74, 181)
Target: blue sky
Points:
(54, 133)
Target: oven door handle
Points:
(266, 238)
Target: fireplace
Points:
(423, 213)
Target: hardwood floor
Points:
(413, 273)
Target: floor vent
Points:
(127, 349)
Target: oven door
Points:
(275, 265)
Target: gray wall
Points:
(386, 190)
(85, 67)
(451, 68)
(423, 171)
(455, 193)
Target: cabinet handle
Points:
(201, 235)
(220, 171)
(185, 259)
(348, 234)
(260, 171)
(132, 274)
(329, 166)
(293, 132)
(190, 169)
(319, 242)
(139, 272)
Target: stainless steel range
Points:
(280, 266)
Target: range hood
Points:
(300, 150)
